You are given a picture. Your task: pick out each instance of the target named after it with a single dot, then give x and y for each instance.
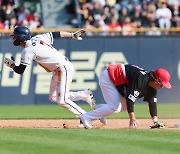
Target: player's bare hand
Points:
(77, 34)
(9, 62)
(133, 124)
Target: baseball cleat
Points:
(80, 125)
(86, 122)
(103, 121)
(90, 98)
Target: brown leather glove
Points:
(158, 125)
(77, 34)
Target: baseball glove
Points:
(77, 34)
(158, 125)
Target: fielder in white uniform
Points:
(40, 50)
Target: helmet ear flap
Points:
(19, 40)
(22, 34)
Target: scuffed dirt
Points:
(72, 124)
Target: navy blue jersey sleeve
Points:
(56, 34)
(19, 69)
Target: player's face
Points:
(155, 84)
(159, 85)
(14, 38)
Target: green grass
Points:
(57, 112)
(81, 141)
(75, 141)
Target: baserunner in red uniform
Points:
(121, 85)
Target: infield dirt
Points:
(72, 124)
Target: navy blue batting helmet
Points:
(22, 33)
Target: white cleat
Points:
(86, 122)
(80, 124)
(103, 121)
(90, 98)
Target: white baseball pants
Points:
(111, 96)
(60, 87)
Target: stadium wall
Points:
(89, 57)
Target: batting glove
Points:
(77, 34)
(133, 124)
(9, 62)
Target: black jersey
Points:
(138, 84)
(137, 87)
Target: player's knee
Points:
(61, 102)
(116, 109)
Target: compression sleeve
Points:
(130, 105)
(19, 69)
(56, 34)
(152, 108)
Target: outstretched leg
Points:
(54, 94)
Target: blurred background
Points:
(103, 14)
(140, 32)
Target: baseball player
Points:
(121, 85)
(39, 49)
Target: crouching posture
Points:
(121, 85)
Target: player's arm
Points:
(130, 109)
(153, 113)
(130, 105)
(132, 94)
(122, 89)
(18, 69)
(62, 34)
(152, 103)
(153, 110)
(49, 37)
(73, 35)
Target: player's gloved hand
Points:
(133, 124)
(9, 62)
(77, 34)
(158, 125)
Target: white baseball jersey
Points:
(40, 50)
